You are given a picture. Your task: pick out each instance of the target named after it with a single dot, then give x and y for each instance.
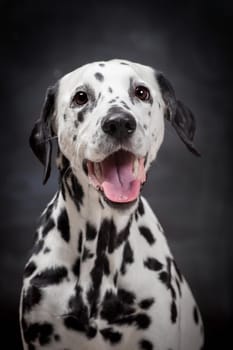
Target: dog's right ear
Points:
(40, 139)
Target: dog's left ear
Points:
(177, 113)
(40, 139)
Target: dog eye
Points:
(142, 92)
(80, 98)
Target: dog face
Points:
(109, 118)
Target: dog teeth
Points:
(135, 167)
(97, 170)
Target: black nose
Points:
(119, 127)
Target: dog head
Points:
(109, 119)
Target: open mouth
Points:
(119, 176)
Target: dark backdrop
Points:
(192, 197)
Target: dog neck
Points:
(98, 230)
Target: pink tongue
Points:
(119, 183)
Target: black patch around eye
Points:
(145, 345)
(49, 276)
(112, 336)
(29, 269)
(146, 303)
(31, 298)
(147, 234)
(99, 76)
(63, 225)
(153, 264)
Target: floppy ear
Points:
(178, 114)
(40, 139)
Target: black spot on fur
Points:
(87, 254)
(125, 105)
(74, 137)
(112, 237)
(124, 63)
(153, 264)
(110, 90)
(40, 331)
(178, 286)
(49, 225)
(76, 267)
(147, 234)
(126, 296)
(146, 303)
(31, 298)
(49, 276)
(140, 320)
(173, 312)
(91, 332)
(99, 266)
(76, 124)
(123, 234)
(80, 116)
(75, 191)
(141, 210)
(63, 225)
(177, 271)
(111, 335)
(57, 337)
(112, 101)
(102, 64)
(29, 269)
(90, 232)
(145, 344)
(38, 247)
(80, 242)
(99, 76)
(163, 276)
(113, 308)
(115, 278)
(127, 257)
(77, 318)
(47, 250)
(195, 315)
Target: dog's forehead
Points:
(114, 72)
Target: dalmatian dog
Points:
(101, 274)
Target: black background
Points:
(190, 42)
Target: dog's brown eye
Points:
(80, 98)
(142, 92)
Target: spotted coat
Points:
(102, 276)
